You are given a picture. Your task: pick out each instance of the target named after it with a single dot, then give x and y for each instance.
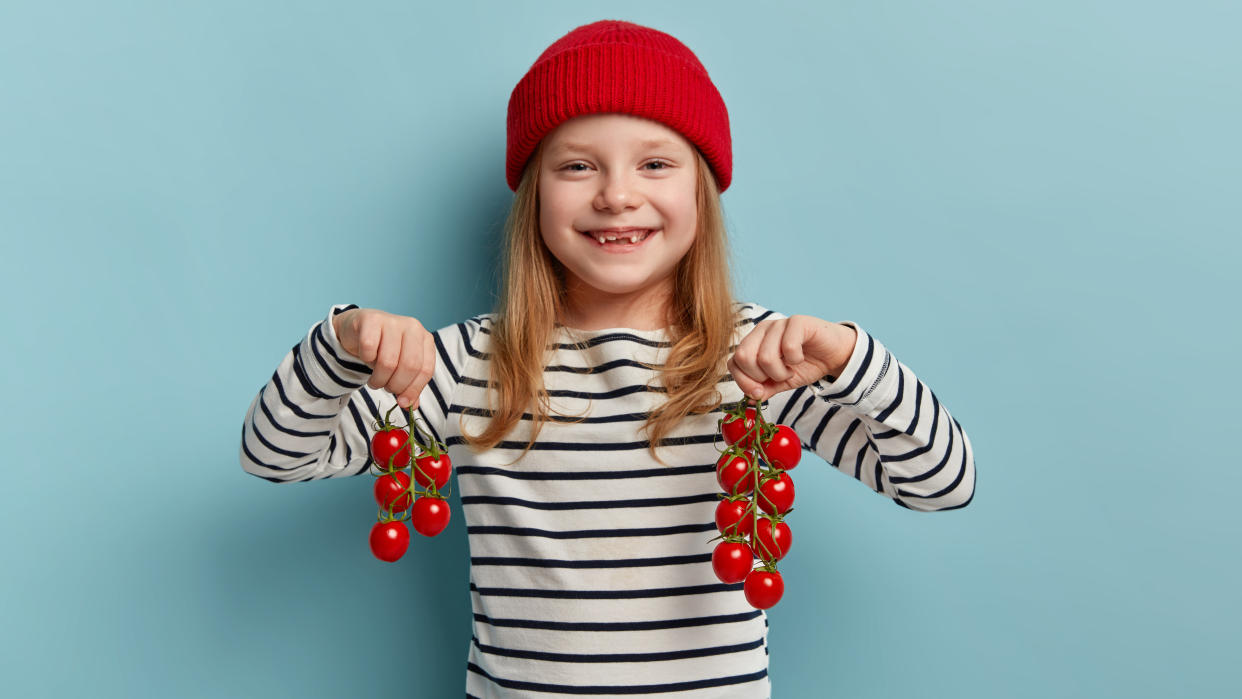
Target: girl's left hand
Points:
(785, 353)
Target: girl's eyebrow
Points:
(584, 148)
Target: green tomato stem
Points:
(412, 427)
(758, 432)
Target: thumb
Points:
(749, 386)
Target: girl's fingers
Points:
(409, 365)
(366, 335)
(387, 355)
(769, 354)
(408, 398)
(745, 357)
(749, 386)
(791, 344)
(744, 365)
(426, 368)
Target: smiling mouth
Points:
(620, 240)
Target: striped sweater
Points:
(590, 563)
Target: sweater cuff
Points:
(327, 364)
(868, 379)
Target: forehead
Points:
(595, 131)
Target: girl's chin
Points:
(612, 286)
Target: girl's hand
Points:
(785, 353)
(400, 352)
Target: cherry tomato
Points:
(389, 540)
(389, 488)
(776, 496)
(735, 429)
(436, 468)
(430, 516)
(735, 517)
(735, 475)
(763, 589)
(784, 450)
(771, 540)
(391, 444)
(732, 561)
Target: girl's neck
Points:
(599, 311)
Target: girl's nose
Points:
(617, 194)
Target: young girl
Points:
(582, 415)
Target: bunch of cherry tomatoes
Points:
(398, 500)
(752, 473)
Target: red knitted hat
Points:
(614, 66)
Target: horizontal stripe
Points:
(619, 625)
(632, 689)
(640, 445)
(619, 563)
(606, 594)
(287, 430)
(590, 564)
(584, 475)
(602, 368)
(279, 384)
(604, 396)
(588, 504)
(591, 533)
(609, 339)
(568, 419)
(616, 657)
(584, 395)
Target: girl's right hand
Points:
(399, 350)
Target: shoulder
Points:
(468, 337)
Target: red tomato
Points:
(771, 541)
(389, 489)
(391, 444)
(735, 429)
(735, 517)
(389, 540)
(436, 468)
(776, 496)
(732, 561)
(735, 475)
(763, 589)
(431, 515)
(784, 450)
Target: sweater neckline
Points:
(658, 332)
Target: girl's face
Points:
(621, 176)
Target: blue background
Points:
(1034, 205)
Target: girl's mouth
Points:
(628, 240)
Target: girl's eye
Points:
(580, 167)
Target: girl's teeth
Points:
(603, 239)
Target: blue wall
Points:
(1034, 205)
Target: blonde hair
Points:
(702, 319)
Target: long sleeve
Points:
(315, 416)
(880, 424)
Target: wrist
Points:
(847, 338)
